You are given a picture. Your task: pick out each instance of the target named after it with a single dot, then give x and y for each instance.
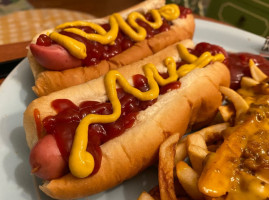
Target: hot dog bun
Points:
(196, 101)
(47, 81)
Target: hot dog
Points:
(190, 101)
(56, 64)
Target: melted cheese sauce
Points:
(250, 188)
(247, 174)
(253, 178)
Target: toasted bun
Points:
(196, 101)
(47, 81)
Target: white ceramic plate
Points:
(15, 94)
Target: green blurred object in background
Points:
(250, 15)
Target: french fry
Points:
(247, 82)
(174, 151)
(166, 168)
(145, 196)
(214, 132)
(181, 151)
(226, 112)
(240, 104)
(197, 156)
(256, 73)
(196, 139)
(188, 178)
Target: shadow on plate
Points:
(15, 161)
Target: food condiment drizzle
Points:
(81, 162)
(132, 29)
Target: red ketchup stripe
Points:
(96, 52)
(65, 122)
(238, 63)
